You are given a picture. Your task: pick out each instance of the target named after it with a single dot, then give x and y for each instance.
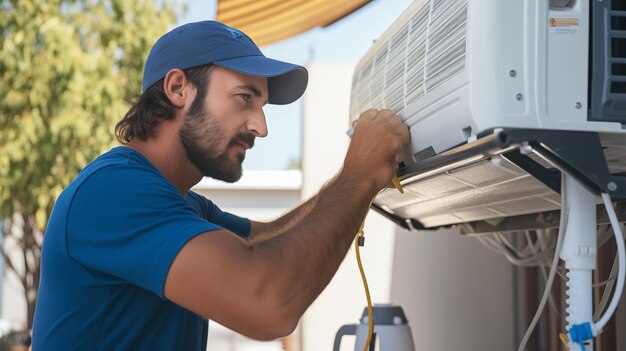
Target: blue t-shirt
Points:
(107, 249)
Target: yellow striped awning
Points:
(269, 21)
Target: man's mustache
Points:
(244, 138)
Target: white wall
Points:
(13, 303)
(326, 106)
(457, 294)
(258, 195)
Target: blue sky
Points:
(346, 40)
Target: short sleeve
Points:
(130, 222)
(213, 214)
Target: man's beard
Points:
(201, 137)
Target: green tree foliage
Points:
(66, 69)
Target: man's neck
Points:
(166, 154)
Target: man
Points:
(134, 260)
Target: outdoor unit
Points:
(499, 96)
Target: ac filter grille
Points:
(428, 49)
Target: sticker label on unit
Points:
(564, 25)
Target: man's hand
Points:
(374, 151)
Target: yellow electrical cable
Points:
(396, 183)
(370, 322)
(361, 234)
(564, 340)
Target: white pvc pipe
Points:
(579, 297)
(579, 253)
(579, 245)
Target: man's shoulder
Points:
(119, 156)
(120, 161)
(117, 172)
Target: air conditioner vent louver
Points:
(362, 86)
(377, 85)
(394, 79)
(416, 55)
(428, 50)
(617, 34)
(446, 47)
(608, 57)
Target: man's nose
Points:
(257, 124)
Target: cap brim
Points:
(286, 82)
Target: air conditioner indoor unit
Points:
(499, 96)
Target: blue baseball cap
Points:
(200, 43)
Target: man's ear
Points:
(176, 87)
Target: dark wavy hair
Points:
(152, 106)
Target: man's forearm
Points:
(320, 239)
(265, 230)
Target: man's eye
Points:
(245, 97)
